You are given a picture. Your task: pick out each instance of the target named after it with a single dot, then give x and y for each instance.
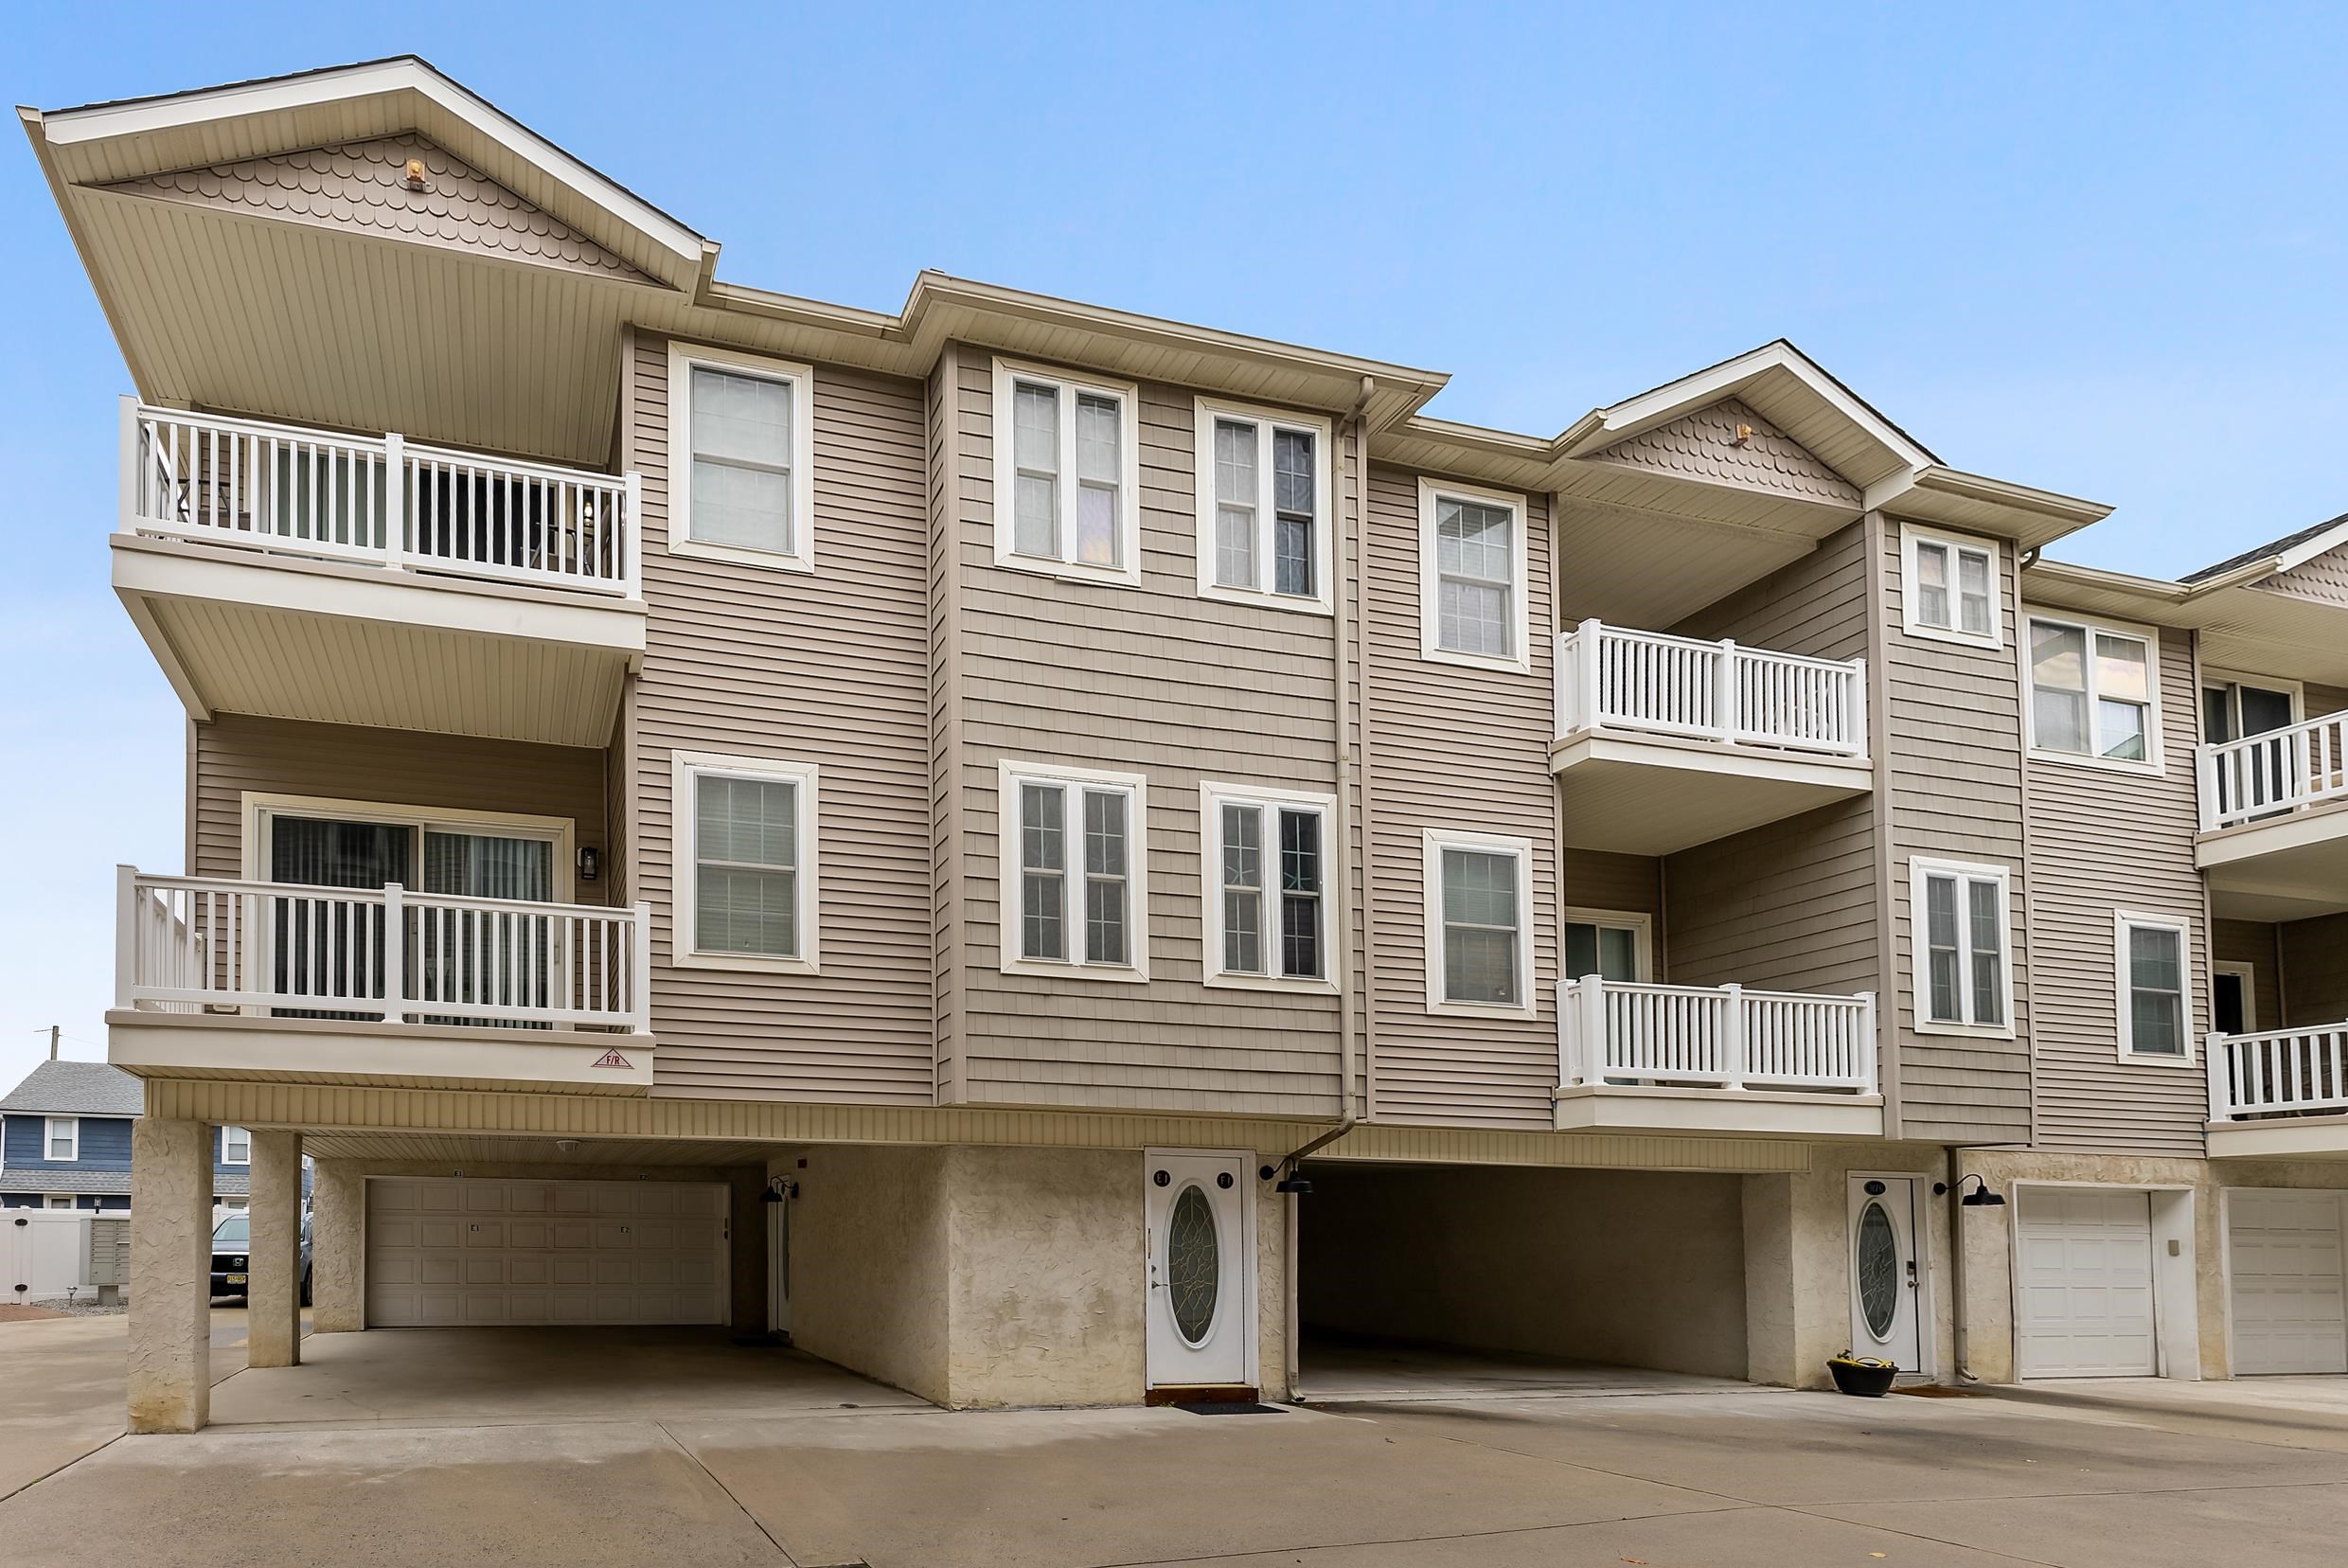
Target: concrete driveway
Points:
(794, 1473)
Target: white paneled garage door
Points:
(458, 1251)
(2085, 1287)
(2284, 1252)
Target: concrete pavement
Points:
(516, 1473)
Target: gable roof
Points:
(2289, 551)
(77, 1089)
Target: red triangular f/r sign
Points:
(613, 1058)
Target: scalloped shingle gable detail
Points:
(361, 187)
(1703, 445)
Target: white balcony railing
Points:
(1608, 678)
(1724, 1038)
(189, 944)
(2264, 776)
(2278, 1073)
(376, 500)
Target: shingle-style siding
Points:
(1705, 445)
(361, 188)
(2323, 580)
(1948, 771)
(829, 667)
(1457, 747)
(1152, 680)
(235, 753)
(1792, 905)
(2252, 942)
(2315, 970)
(2103, 841)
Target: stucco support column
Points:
(275, 1293)
(1797, 1282)
(337, 1235)
(746, 1244)
(170, 1318)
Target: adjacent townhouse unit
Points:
(1057, 856)
(66, 1130)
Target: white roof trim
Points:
(1705, 387)
(147, 117)
(2307, 550)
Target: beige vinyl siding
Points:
(1632, 884)
(2253, 942)
(1151, 680)
(1792, 905)
(1948, 772)
(236, 754)
(2315, 970)
(943, 432)
(1454, 746)
(829, 667)
(2321, 702)
(2102, 841)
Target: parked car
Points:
(232, 1241)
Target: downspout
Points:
(1341, 630)
(1960, 1337)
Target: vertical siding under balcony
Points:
(829, 667)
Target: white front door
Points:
(1201, 1275)
(2086, 1286)
(1887, 1283)
(2284, 1251)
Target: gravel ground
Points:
(86, 1307)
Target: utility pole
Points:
(54, 1030)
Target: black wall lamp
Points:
(589, 862)
(1981, 1197)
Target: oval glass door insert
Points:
(1878, 1270)
(1194, 1267)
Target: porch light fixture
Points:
(1981, 1197)
(588, 863)
(1298, 1187)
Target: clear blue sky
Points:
(2096, 248)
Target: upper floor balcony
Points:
(1665, 742)
(378, 985)
(298, 572)
(1638, 1058)
(2274, 821)
(2279, 1094)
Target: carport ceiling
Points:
(594, 1156)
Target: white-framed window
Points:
(58, 1200)
(235, 1202)
(1959, 926)
(1067, 473)
(1075, 871)
(1479, 923)
(1473, 576)
(236, 1146)
(1949, 587)
(1613, 944)
(741, 462)
(2094, 691)
(743, 860)
(1265, 865)
(2152, 963)
(61, 1139)
(1264, 507)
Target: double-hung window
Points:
(743, 856)
(236, 1146)
(1472, 576)
(2094, 693)
(1267, 874)
(741, 466)
(2153, 979)
(1067, 473)
(61, 1139)
(1479, 923)
(1075, 871)
(1950, 587)
(1962, 948)
(1264, 506)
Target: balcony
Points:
(297, 573)
(2275, 822)
(2280, 1094)
(376, 986)
(1664, 741)
(1637, 1058)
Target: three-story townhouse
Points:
(1055, 856)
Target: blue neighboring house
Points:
(66, 1141)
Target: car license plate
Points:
(236, 1279)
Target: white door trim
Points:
(1920, 1238)
(2247, 972)
(1250, 1308)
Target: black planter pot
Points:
(1869, 1379)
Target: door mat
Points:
(1229, 1407)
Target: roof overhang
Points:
(2033, 519)
(2240, 627)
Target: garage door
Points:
(2085, 1283)
(448, 1251)
(2284, 1251)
